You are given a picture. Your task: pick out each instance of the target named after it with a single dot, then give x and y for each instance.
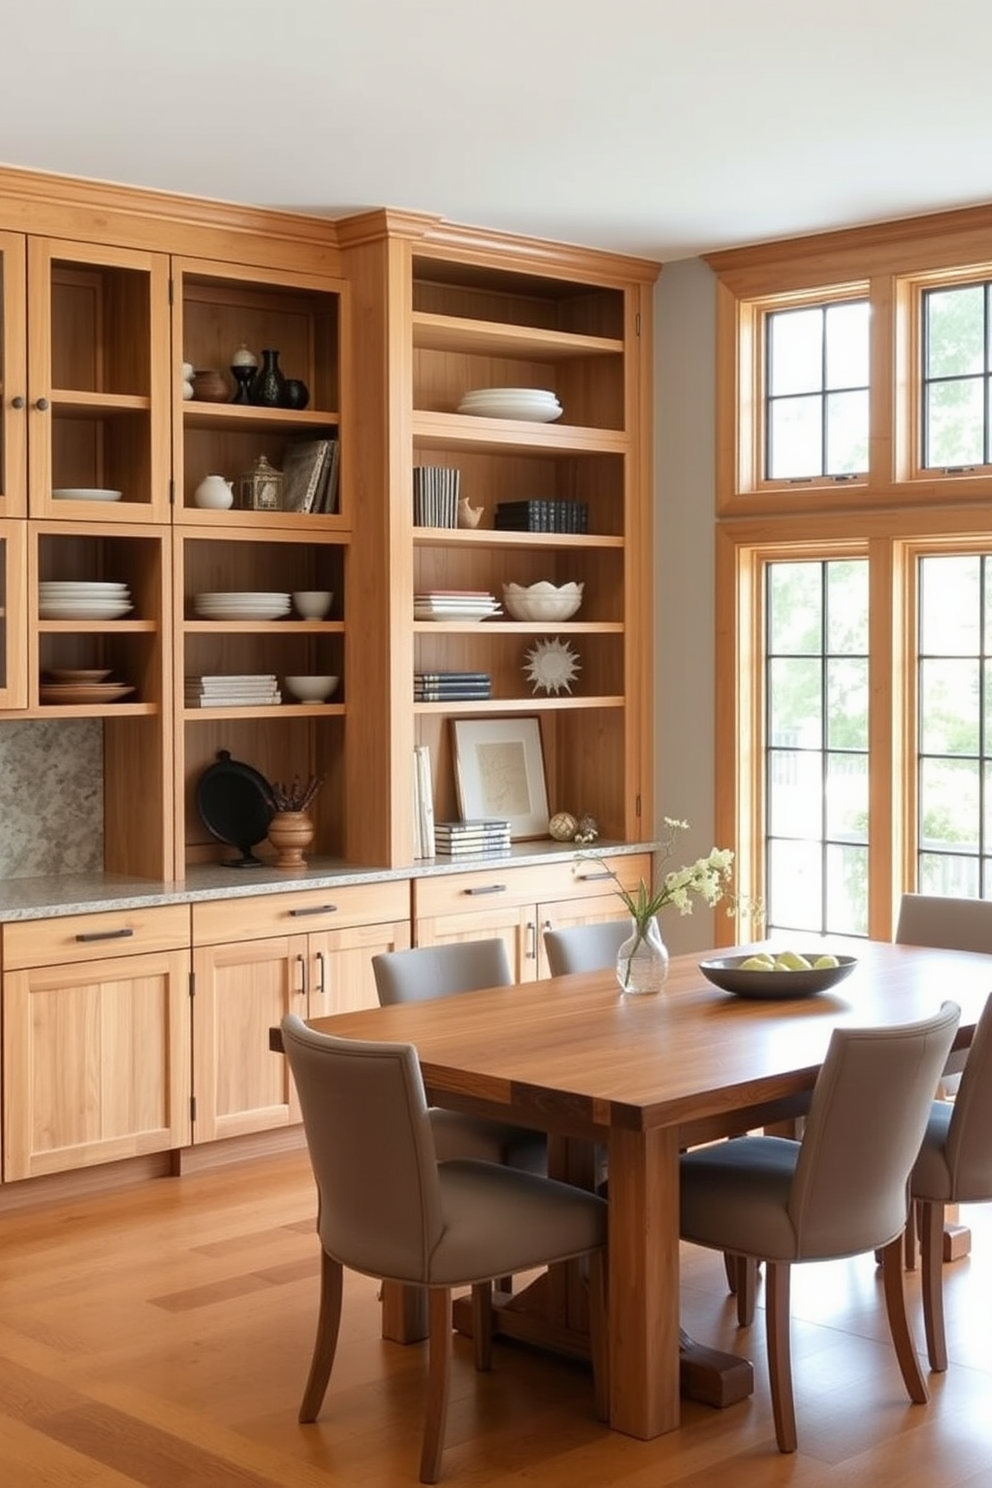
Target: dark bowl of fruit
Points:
(777, 974)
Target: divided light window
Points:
(816, 392)
(957, 377)
(816, 746)
(954, 688)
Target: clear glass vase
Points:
(642, 960)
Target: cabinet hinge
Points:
(172, 491)
(637, 804)
(171, 283)
(637, 323)
(192, 1108)
(192, 984)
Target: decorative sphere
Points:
(563, 826)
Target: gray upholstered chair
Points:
(388, 1208)
(443, 971)
(585, 947)
(954, 1166)
(954, 924)
(841, 1190)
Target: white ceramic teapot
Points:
(214, 491)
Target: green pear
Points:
(792, 961)
(822, 962)
(760, 962)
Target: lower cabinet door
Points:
(96, 1062)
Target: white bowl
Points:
(312, 604)
(311, 689)
(544, 602)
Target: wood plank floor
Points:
(161, 1335)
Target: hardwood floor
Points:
(161, 1335)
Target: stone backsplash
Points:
(51, 797)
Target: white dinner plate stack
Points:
(79, 599)
(536, 404)
(455, 604)
(245, 605)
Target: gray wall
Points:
(684, 431)
(51, 796)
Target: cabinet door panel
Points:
(242, 991)
(13, 377)
(341, 978)
(96, 1062)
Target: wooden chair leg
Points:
(895, 1306)
(932, 1261)
(777, 1306)
(730, 1266)
(482, 1325)
(598, 1334)
(326, 1341)
(911, 1235)
(438, 1372)
(747, 1287)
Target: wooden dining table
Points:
(645, 1077)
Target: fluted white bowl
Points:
(542, 602)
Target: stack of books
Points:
(250, 691)
(310, 475)
(443, 687)
(483, 834)
(435, 496)
(542, 516)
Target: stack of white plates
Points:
(454, 604)
(86, 493)
(245, 605)
(536, 404)
(78, 599)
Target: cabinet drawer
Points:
(506, 884)
(90, 937)
(330, 908)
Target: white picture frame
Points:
(499, 772)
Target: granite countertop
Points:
(84, 893)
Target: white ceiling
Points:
(658, 128)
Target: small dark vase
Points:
(297, 393)
(244, 377)
(268, 389)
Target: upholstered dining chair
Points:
(585, 947)
(953, 924)
(389, 1209)
(443, 971)
(841, 1190)
(954, 1167)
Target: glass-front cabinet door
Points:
(13, 377)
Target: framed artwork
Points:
(499, 771)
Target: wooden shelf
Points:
(503, 436)
(485, 338)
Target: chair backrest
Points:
(949, 923)
(863, 1132)
(585, 947)
(441, 970)
(371, 1150)
(968, 1150)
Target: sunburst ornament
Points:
(551, 666)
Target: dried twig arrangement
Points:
(296, 797)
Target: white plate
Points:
(240, 596)
(545, 394)
(535, 414)
(86, 493)
(448, 616)
(242, 614)
(79, 612)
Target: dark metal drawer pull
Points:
(488, 889)
(106, 935)
(592, 877)
(314, 910)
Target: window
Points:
(816, 381)
(954, 692)
(957, 377)
(816, 751)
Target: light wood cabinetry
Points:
(451, 311)
(96, 1039)
(519, 903)
(255, 960)
(13, 614)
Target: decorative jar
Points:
(290, 832)
(260, 488)
(642, 960)
(268, 388)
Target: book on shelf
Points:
(424, 799)
(303, 466)
(471, 850)
(326, 498)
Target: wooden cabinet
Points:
(519, 903)
(452, 310)
(255, 960)
(96, 1041)
(217, 310)
(13, 614)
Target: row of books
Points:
(423, 803)
(232, 691)
(483, 834)
(542, 516)
(310, 475)
(435, 495)
(441, 687)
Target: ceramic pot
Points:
(297, 393)
(214, 492)
(268, 388)
(290, 832)
(642, 960)
(210, 386)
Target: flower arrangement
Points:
(707, 879)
